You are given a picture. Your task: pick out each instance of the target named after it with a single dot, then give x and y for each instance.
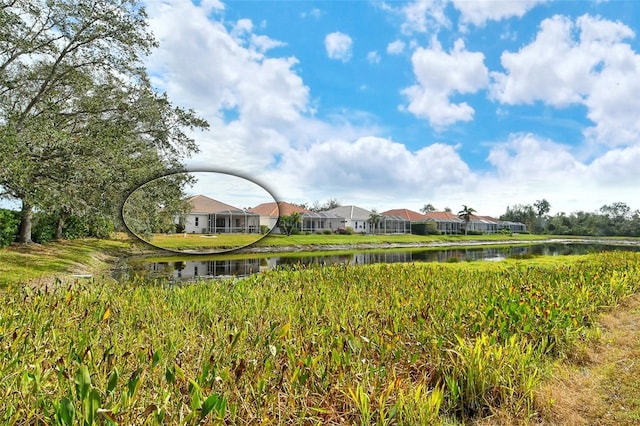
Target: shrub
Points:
(348, 230)
(327, 232)
(264, 229)
(75, 227)
(424, 228)
(9, 223)
(44, 228)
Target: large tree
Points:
(158, 205)
(80, 126)
(428, 208)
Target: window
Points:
(197, 221)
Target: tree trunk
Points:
(62, 218)
(26, 217)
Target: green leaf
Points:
(170, 375)
(214, 401)
(195, 393)
(65, 412)
(92, 405)
(134, 383)
(83, 382)
(113, 380)
(155, 358)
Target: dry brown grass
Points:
(602, 385)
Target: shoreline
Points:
(299, 248)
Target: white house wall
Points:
(190, 226)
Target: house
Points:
(320, 221)
(446, 222)
(209, 216)
(408, 217)
(270, 212)
(311, 221)
(391, 224)
(407, 214)
(513, 227)
(483, 224)
(490, 225)
(353, 217)
(360, 220)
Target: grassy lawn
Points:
(379, 344)
(20, 264)
(218, 242)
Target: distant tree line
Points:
(615, 219)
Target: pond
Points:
(184, 268)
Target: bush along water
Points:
(381, 344)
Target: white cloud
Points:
(338, 46)
(211, 5)
(373, 57)
(478, 12)
(314, 13)
(242, 26)
(619, 167)
(373, 165)
(262, 43)
(583, 62)
(527, 158)
(377, 172)
(251, 100)
(424, 15)
(528, 168)
(440, 75)
(208, 68)
(395, 47)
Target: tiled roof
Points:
(282, 208)
(443, 217)
(406, 214)
(204, 204)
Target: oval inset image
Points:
(200, 212)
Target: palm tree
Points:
(465, 214)
(374, 220)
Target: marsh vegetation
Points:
(382, 344)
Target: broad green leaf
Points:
(83, 382)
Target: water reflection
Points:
(220, 267)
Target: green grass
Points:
(200, 242)
(380, 344)
(20, 264)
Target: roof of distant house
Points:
(405, 214)
(351, 212)
(484, 218)
(443, 217)
(204, 204)
(282, 208)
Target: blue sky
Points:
(398, 104)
